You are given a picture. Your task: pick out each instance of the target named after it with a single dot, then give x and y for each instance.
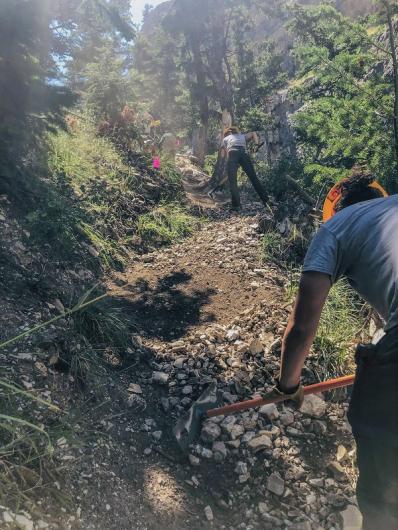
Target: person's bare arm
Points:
(301, 329)
(252, 136)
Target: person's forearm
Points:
(302, 326)
(296, 345)
(255, 138)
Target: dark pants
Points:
(373, 415)
(238, 157)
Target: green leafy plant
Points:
(165, 224)
(340, 326)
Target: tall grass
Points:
(340, 325)
(100, 184)
(25, 445)
(165, 224)
(284, 250)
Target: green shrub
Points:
(284, 249)
(210, 163)
(165, 224)
(340, 325)
(341, 321)
(24, 445)
(103, 323)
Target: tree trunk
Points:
(203, 100)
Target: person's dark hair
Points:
(230, 130)
(356, 187)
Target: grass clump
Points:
(165, 224)
(25, 446)
(340, 326)
(284, 249)
(100, 185)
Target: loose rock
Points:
(313, 406)
(161, 378)
(270, 411)
(351, 518)
(256, 347)
(210, 432)
(209, 513)
(276, 484)
(259, 443)
(220, 451)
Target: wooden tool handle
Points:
(258, 402)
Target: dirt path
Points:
(209, 308)
(209, 278)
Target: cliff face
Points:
(355, 8)
(263, 27)
(154, 18)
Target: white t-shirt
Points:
(234, 140)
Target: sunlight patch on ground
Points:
(162, 491)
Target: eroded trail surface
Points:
(209, 309)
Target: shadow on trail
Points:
(168, 309)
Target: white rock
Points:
(134, 388)
(270, 411)
(210, 432)
(60, 308)
(207, 453)
(256, 347)
(187, 390)
(160, 377)
(259, 443)
(351, 518)
(236, 431)
(287, 417)
(193, 460)
(219, 451)
(242, 347)
(23, 522)
(276, 484)
(313, 406)
(341, 453)
(232, 334)
(317, 482)
(241, 468)
(8, 517)
(178, 363)
(209, 513)
(263, 508)
(157, 435)
(244, 478)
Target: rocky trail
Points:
(209, 308)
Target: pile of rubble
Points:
(301, 461)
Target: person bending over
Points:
(360, 243)
(234, 148)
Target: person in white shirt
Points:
(234, 148)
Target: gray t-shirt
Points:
(234, 140)
(361, 243)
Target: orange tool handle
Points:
(331, 384)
